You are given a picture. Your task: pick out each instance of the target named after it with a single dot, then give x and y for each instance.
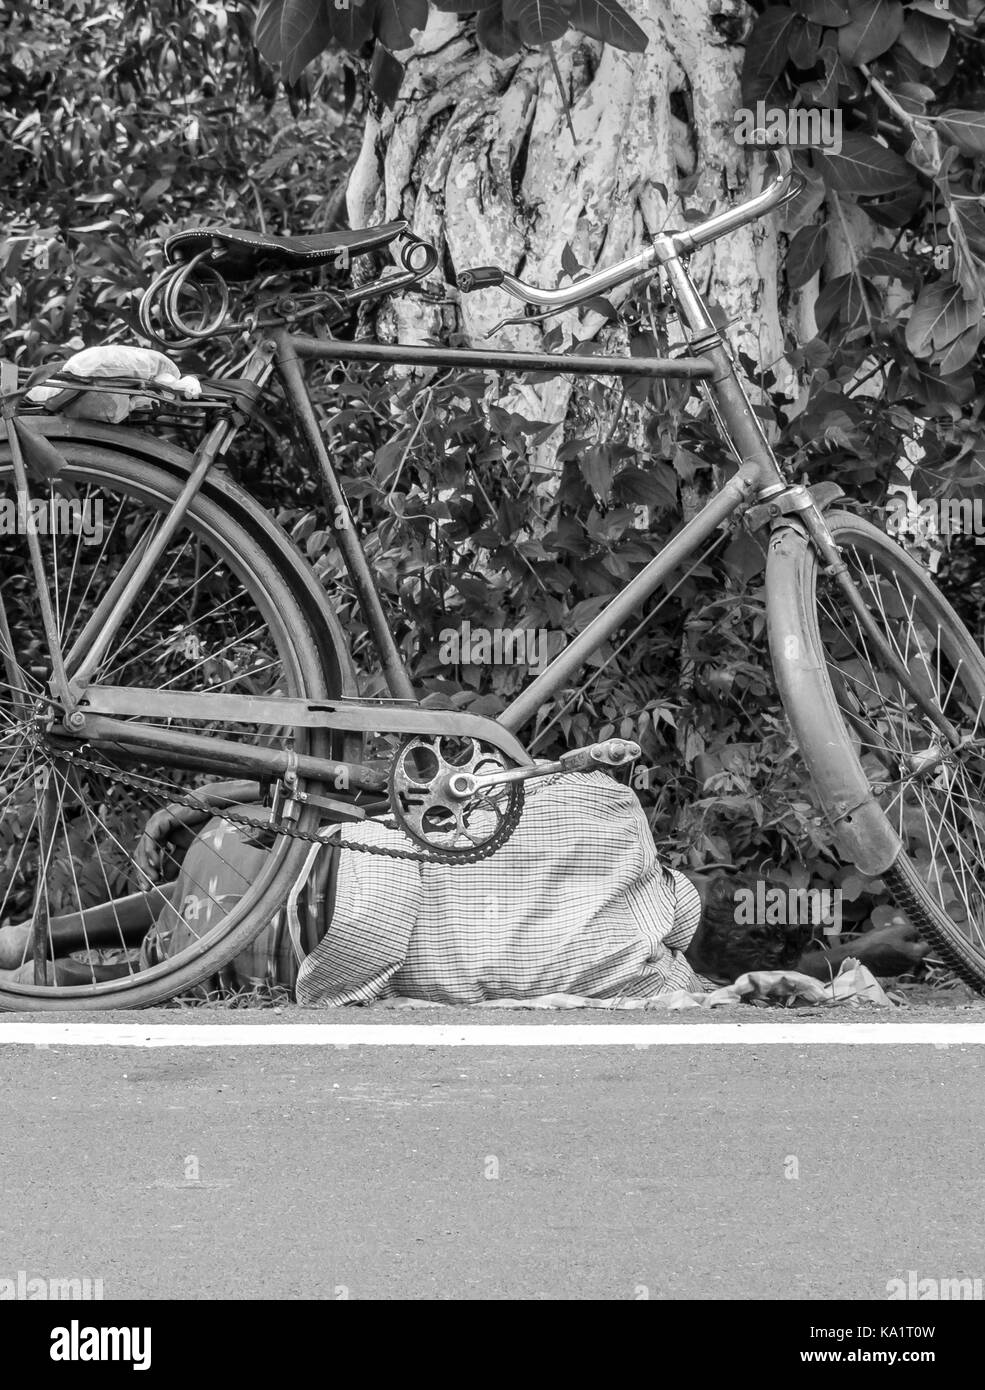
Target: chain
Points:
(137, 783)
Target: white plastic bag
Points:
(116, 360)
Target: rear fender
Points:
(221, 490)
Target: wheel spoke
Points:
(216, 612)
(112, 676)
(932, 788)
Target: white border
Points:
(638, 1035)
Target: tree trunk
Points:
(479, 156)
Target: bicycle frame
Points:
(112, 715)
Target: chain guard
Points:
(453, 830)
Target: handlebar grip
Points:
(480, 277)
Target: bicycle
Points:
(252, 679)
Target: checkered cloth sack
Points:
(576, 902)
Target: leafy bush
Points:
(119, 121)
(293, 32)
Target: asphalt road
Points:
(798, 1171)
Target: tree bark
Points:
(479, 156)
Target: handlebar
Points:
(784, 185)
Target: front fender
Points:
(864, 834)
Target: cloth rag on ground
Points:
(854, 984)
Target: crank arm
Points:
(614, 752)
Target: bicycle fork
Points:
(748, 440)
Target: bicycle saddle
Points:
(239, 254)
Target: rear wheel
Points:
(218, 614)
(906, 798)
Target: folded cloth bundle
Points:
(110, 362)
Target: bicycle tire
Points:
(277, 579)
(830, 705)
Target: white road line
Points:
(483, 1035)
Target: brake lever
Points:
(525, 318)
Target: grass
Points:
(246, 997)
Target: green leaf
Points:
(915, 91)
(598, 304)
(863, 167)
(768, 46)
(875, 26)
(767, 51)
(305, 31)
(940, 315)
(496, 33)
(830, 13)
(267, 33)
(608, 21)
(396, 18)
(908, 94)
(971, 220)
(898, 210)
(387, 458)
(745, 557)
(805, 44)
(966, 129)
(583, 613)
(806, 254)
(571, 449)
(927, 39)
(353, 26)
(539, 21)
(842, 300)
(570, 263)
(687, 465)
(596, 468)
(647, 487)
(385, 75)
(889, 264)
(823, 91)
(962, 351)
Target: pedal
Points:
(614, 752)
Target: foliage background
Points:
(119, 122)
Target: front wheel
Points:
(906, 796)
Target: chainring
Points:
(454, 830)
